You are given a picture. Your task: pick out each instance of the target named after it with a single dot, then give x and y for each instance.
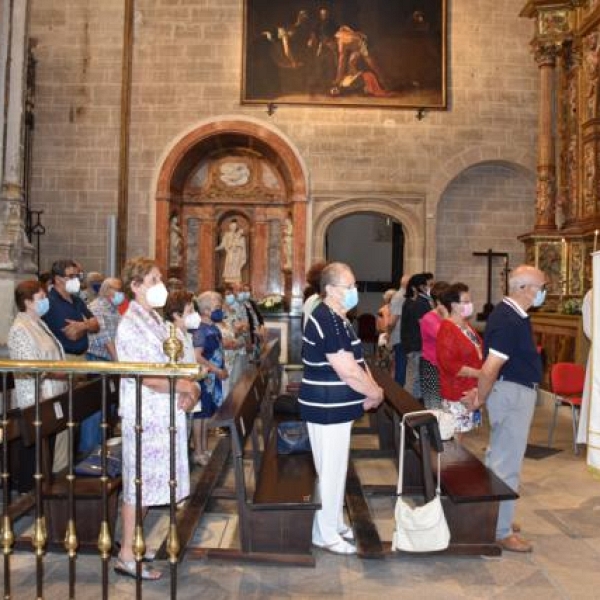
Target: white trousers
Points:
(331, 448)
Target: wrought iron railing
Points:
(105, 370)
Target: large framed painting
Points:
(383, 53)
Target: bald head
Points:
(524, 284)
(525, 275)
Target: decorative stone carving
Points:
(234, 174)
(175, 241)
(287, 242)
(233, 243)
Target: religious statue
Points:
(175, 241)
(233, 243)
(287, 242)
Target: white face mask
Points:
(73, 286)
(156, 296)
(192, 321)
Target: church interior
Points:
(457, 138)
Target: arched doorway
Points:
(373, 245)
(233, 171)
(404, 209)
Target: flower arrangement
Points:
(271, 303)
(572, 306)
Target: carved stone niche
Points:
(240, 202)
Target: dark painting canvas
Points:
(386, 53)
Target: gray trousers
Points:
(510, 409)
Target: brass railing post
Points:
(104, 536)
(71, 533)
(39, 528)
(8, 537)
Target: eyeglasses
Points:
(348, 286)
(73, 276)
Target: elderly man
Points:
(508, 384)
(105, 309)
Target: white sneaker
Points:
(339, 547)
(347, 533)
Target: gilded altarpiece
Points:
(566, 47)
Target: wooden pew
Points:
(471, 492)
(54, 412)
(275, 521)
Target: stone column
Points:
(546, 169)
(16, 253)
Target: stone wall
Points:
(187, 68)
(487, 206)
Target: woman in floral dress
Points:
(140, 338)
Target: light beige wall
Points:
(487, 206)
(187, 67)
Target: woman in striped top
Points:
(336, 388)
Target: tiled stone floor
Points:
(559, 512)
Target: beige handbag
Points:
(419, 528)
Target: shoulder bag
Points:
(419, 528)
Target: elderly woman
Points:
(459, 356)
(336, 388)
(140, 338)
(30, 338)
(208, 346)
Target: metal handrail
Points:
(171, 371)
(194, 371)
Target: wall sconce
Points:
(420, 114)
(271, 108)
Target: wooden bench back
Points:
(54, 412)
(464, 477)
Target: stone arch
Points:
(219, 134)
(405, 210)
(522, 160)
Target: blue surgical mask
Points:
(230, 299)
(216, 316)
(42, 306)
(118, 298)
(350, 298)
(540, 296)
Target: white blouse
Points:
(31, 339)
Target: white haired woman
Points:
(336, 388)
(208, 347)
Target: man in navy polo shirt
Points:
(70, 321)
(508, 384)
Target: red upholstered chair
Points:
(367, 330)
(567, 381)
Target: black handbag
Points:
(292, 437)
